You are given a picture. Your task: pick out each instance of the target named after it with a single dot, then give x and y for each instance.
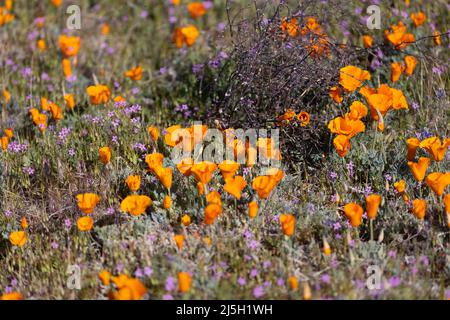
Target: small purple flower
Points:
(241, 281)
(138, 273)
(170, 284)
(167, 297)
(148, 271)
(325, 278)
(68, 223)
(394, 281)
(54, 245)
(253, 273)
(280, 282)
(258, 292)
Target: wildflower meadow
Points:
(224, 149)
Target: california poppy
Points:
(196, 9)
(6, 95)
(164, 175)
(133, 182)
(105, 154)
(18, 238)
(153, 132)
(293, 283)
(154, 161)
(351, 78)
(179, 240)
(357, 111)
(286, 117)
(167, 203)
(336, 94)
(372, 203)
(412, 144)
(396, 71)
(105, 277)
(85, 223)
(326, 247)
(184, 282)
(186, 220)
(203, 171)
(214, 197)
(287, 224)
(212, 211)
(135, 204)
(420, 168)
(447, 208)
(69, 45)
(400, 186)
(410, 65)
(263, 185)
(9, 133)
(253, 209)
(434, 147)
(228, 168)
(354, 213)
(128, 289)
(11, 296)
(67, 68)
(24, 223)
(56, 111)
(419, 208)
(367, 41)
(342, 145)
(438, 182)
(99, 94)
(304, 118)
(135, 74)
(418, 18)
(291, 26)
(235, 185)
(346, 126)
(41, 45)
(185, 35)
(437, 38)
(70, 101)
(87, 202)
(4, 141)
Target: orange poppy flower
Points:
(336, 94)
(67, 68)
(396, 71)
(263, 185)
(153, 132)
(203, 171)
(293, 283)
(18, 238)
(11, 296)
(99, 94)
(128, 289)
(418, 18)
(200, 188)
(326, 247)
(400, 186)
(253, 209)
(357, 111)
(6, 95)
(69, 45)
(133, 183)
(367, 41)
(286, 117)
(228, 168)
(45, 104)
(164, 175)
(372, 203)
(410, 65)
(173, 135)
(105, 29)
(105, 277)
(134, 74)
(56, 111)
(185, 35)
(447, 208)
(214, 198)
(342, 145)
(420, 168)
(179, 240)
(354, 213)
(119, 99)
(419, 208)
(24, 223)
(196, 9)
(234, 186)
(186, 220)
(434, 147)
(346, 126)
(184, 282)
(135, 204)
(154, 161)
(287, 224)
(41, 45)
(4, 141)
(85, 223)
(87, 202)
(304, 118)
(351, 78)
(437, 38)
(105, 154)
(291, 26)
(167, 203)
(57, 3)
(412, 144)
(41, 121)
(70, 101)
(9, 132)
(185, 166)
(438, 182)
(212, 211)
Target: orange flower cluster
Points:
(347, 127)
(39, 119)
(398, 36)
(86, 203)
(185, 36)
(398, 68)
(122, 286)
(289, 116)
(5, 13)
(4, 141)
(99, 94)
